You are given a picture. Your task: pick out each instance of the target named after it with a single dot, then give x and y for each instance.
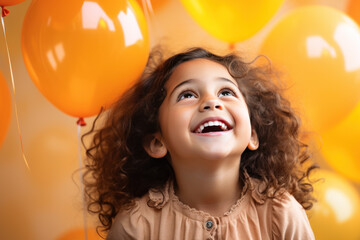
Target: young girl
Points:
(202, 147)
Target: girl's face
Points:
(204, 115)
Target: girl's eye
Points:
(227, 93)
(186, 94)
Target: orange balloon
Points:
(5, 106)
(10, 2)
(83, 54)
(341, 146)
(317, 48)
(79, 234)
(336, 214)
(353, 9)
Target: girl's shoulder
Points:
(282, 204)
(289, 218)
(128, 223)
(138, 221)
(285, 215)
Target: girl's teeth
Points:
(212, 123)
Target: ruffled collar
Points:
(158, 198)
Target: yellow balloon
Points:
(341, 146)
(317, 50)
(336, 215)
(232, 20)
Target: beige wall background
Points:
(45, 202)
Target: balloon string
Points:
(150, 17)
(13, 88)
(148, 13)
(82, 180)
(150, 8)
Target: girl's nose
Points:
(211, 104)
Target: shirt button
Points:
(209, 224)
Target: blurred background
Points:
(315, 44)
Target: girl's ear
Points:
(254, 141)
(155, 146)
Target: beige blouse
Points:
(161, 215)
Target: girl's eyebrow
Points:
(180, 84)
(192, 80)
(227, 80)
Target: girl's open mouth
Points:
(213, 126)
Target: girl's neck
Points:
(211, 191)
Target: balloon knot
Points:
(231, 46)
(81, 122)
(4, 11)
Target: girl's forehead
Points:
(198, 69)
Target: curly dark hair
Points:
(118, 169)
